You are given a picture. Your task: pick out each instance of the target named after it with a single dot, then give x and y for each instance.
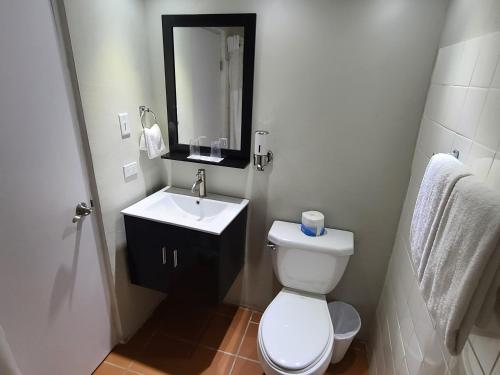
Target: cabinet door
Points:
(149, 257)
(180, 254)
(201, 268)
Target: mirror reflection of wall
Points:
(208, 78)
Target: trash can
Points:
(346, 325)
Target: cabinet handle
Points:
(175, 258)
(164, 255)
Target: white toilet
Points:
(296, 332)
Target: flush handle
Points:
(271, 246)
(164, 255)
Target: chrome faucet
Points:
(200, 183)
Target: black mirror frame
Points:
(232, 158)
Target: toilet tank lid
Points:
(333, 241)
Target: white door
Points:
(54, 303)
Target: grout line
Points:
(248, 359)
(142, 348)
(114, 365)
(481, 365)
(134, 372)
(197, 344)
(497, 361)
(241, 342)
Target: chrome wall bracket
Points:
(262, 160)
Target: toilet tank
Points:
(310, 264)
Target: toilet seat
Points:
(296, 331)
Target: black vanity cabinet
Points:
(169, 258)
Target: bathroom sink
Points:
(180, 207)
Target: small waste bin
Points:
(346, 325)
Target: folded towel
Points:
(441, 175)
(488, 320)
(152, 142)
(463, 260)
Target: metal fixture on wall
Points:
(262, 155)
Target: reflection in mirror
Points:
(208, 78)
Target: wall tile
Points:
(493, 178)
(468, 60)
(486, 350)
(480, 160)
(455, 99)
(471, 111)
(496, 370)
(420, 161)
(447, 68)
(496, 79)
(487, 61)
(388, 359)
(414, 356)
(379, 352)
(422, 323)
(462, 145)
(466, 118)
(397, 346)
(435, 107)
(440, 139)
(469, 361)
(433, 360)
(488, 130)
(403, 368)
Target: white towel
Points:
(463, 260)
(441, 175)
(488, 321)
(152, 141)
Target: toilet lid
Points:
(295, 329)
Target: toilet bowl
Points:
(296, 334)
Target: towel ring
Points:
(142, 111)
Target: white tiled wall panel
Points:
(463, 113)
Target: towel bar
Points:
(455, 153)
(142, 111)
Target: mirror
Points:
(209, 86)
(209, 81)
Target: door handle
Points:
(81, 210)
(175, 258)
(164, 255)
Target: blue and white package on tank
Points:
(313, 223)
(311, 231)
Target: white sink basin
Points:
(180, 207)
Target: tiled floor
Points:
(183, 339)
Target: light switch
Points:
(129, 170)
(124, 126)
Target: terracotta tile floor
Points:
(183, 339)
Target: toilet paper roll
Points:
(313, 223)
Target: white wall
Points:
(110, 52)
(468, 19)
(463, 113)
(341, 87)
